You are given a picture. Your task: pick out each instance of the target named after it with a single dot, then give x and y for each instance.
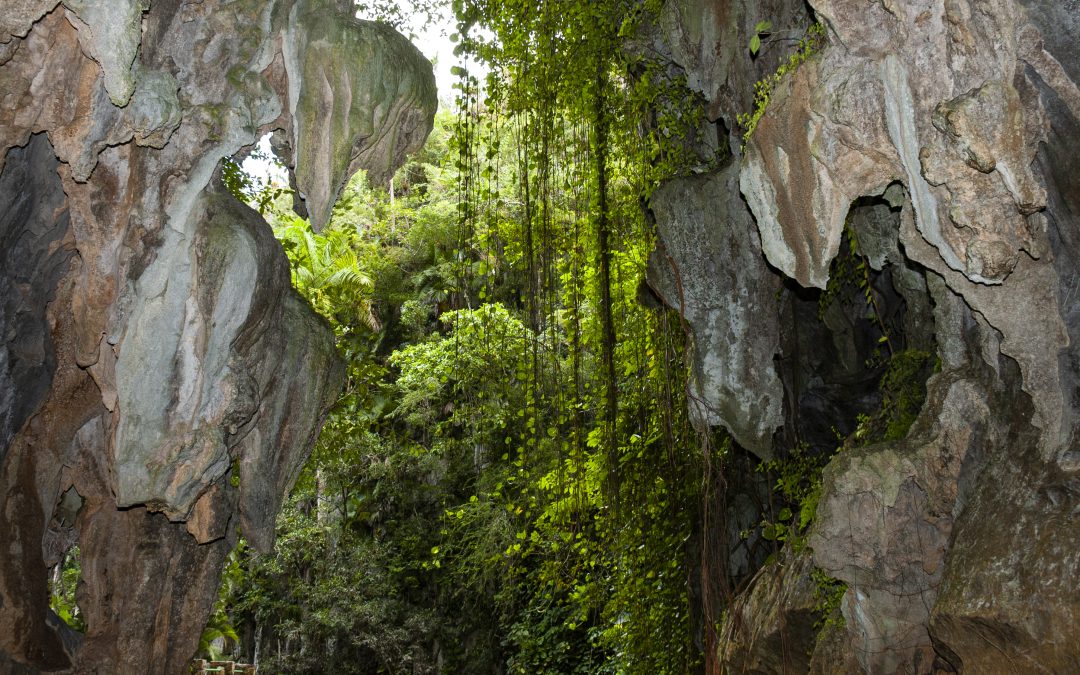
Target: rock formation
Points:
(160, 382)
(944, 136)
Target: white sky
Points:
(434, 42)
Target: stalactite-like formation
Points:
(160, 382)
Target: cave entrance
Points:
(857, 355)
(854, 363)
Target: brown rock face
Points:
(961, 119)
(770, 628)
(151, 348)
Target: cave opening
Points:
(855, 359)
(840, 342)
(65, 571)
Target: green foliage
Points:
(798, 474)
(850, 283)
(343, 590)
(811, 44)
(798, 483)
(63, 584)
(828, 595)
(670, 139)
(475, 373)
(607, 467)
(219, 638)
(218, 631)
(261, 196)
(761, 29)
(903, 392)
(506, 481)
(398, 16)
(326, 271)
(510, 482)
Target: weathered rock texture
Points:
(160, 382)
(729, 299)
(772, 628)
(946, 136)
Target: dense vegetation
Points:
(509, 482)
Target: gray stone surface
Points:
(957, 541)
(33, 260)
(151, 347)
(709, 266)
(19, 15)
(708, 39)
(335, 124)
(771, 627)
(110, 33)
(1009, 601)
(885, 519)
(919, 92)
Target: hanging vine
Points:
(613, 463)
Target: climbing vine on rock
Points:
(811, 44)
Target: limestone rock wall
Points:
(160, 382)
(958, 123)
